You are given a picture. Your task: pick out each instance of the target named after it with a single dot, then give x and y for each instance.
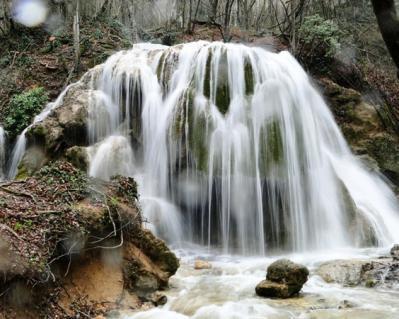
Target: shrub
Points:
(318, 37)
(22, 108)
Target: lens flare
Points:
(30, 13)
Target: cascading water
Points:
(2, 153)
(233, 147)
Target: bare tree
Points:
(388, 22)
(76, 33)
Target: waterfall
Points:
(237, 147)
(2, 153)
(234, 148)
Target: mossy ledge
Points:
(62, 232)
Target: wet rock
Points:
(344, 272)
(78, 157)
(267, 288)
(66, 125)
(202, 264)
(369, 273)
(364, 123)
(284, 279)
(158, 299)
(288, 272)
(395, 252)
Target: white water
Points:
(2, 153)
(273, 172)
(227, 291)
(233, 148)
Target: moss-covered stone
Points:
(271, 147)
(77, 156)
(249, 77)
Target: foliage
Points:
(319, 37)
(22, 108)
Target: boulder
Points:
(383, 272)
(344, 272)
(284, 279)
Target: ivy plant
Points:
(22, 108)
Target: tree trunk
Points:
(388, 22)
(76, 34)
(5, 17)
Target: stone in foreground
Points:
(284, 279)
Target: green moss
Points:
(370, 283)
(249, 78)
(207, 80)
(197, 141)
(223, 98)
(271, 147)
(222, 89)
(38, 131)
(22, 172)
(157, 250)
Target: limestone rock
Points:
(284, 279)
(344, 272)
(202, 264)
(369, 273)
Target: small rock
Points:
(284, 279)
(99, 317)
(395, 252)
(52, 38)
(202, 264)
(158, 299)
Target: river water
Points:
(227, 290)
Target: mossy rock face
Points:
(222, 94)
(78, 157)
(288, 272)
(197, 123)
(342, 100)
(33, 160)
(157, 250)
(271, 149)
(249, 77)
(198, 141)
(385, 149)
(365, 128)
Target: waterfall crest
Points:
(233, 147)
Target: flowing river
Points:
(227, 291)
